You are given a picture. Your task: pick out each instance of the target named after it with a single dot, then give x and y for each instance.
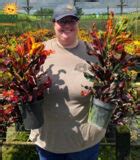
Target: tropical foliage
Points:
(21, 60)
(117, 53)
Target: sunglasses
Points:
(67, 21)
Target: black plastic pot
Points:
(32, 114)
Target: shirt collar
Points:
(70, 46)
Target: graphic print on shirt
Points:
(81, 67)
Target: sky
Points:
(37, 4)
(45, 3)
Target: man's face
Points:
(66, 30)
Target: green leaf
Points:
(89, 76)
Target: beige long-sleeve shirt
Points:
(65, 127)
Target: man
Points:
(66, 133)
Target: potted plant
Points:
(111, 77)
(21, 62)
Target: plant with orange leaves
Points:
(21, 62)
(112, 77)
(39, 35)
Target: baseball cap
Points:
(64, 10)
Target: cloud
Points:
(52, 3)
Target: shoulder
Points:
(82, 44)
(83, 52)
(50, 43)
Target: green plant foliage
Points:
(44, 12)
(18, 152)
(123, 129)
(107, 153)
(135, 153)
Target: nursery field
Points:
(41, 28)
(26, 23)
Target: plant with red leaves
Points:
(111, 77)
(20, 80)
(21, 61)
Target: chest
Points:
(67, 73)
